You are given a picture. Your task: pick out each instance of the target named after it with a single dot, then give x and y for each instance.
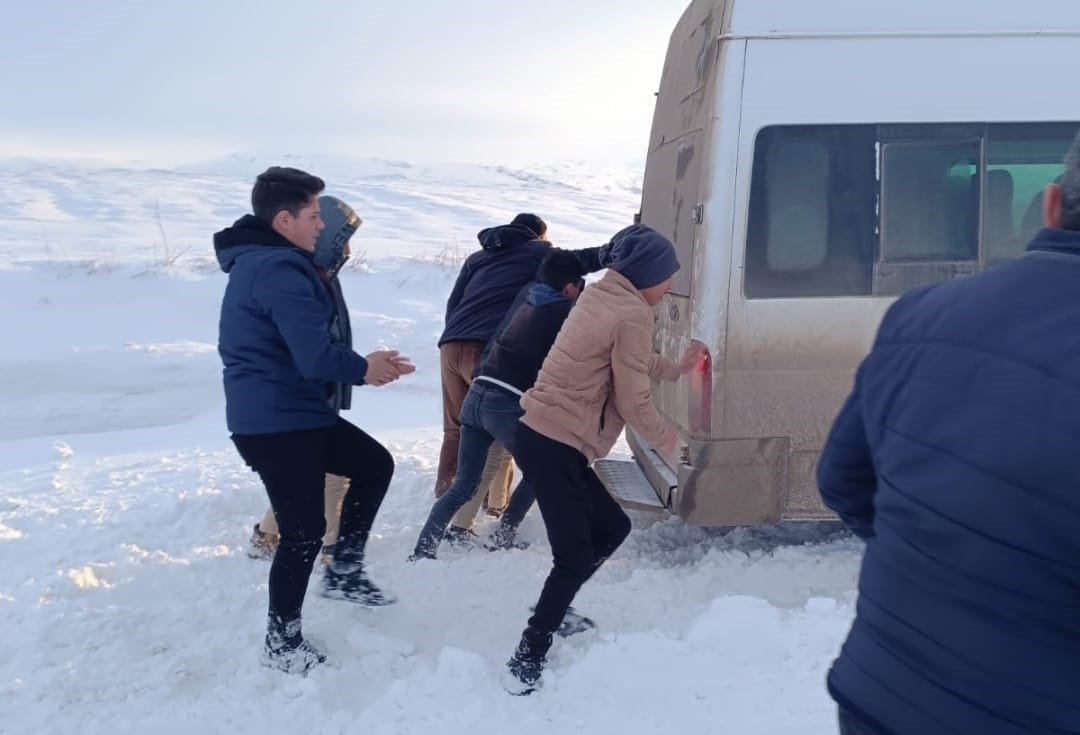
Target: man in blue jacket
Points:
(329, 256)
(282, 364)
(955, 458)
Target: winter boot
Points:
(572, 623)
(526, 666)
(286, 650)
(460, 538)
(503, 538)
(261, 545)
(348, 581)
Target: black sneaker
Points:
(573, 623)
(299, 660)
(352, 585)
(503, 538)
(525, 668)
(523, 677)
(286, 650)
(460, 538)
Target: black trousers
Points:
(584, 523)
(293, 466)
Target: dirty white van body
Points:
(811, 161)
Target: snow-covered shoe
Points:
(526, 667)
(573, 623)
(261, 545)
(503, 538)
(460, 538)
(286, 650)
(349, 582)
(299, 660)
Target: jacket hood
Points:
(642, 255)
(341, 223)
(541, 294)
(246, 234)
(505, 237)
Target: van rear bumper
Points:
(735, 482)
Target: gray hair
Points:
(1069, 181)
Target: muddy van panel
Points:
(671, 191)
(812, 161)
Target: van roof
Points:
(767, 18)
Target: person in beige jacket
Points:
(596, 378)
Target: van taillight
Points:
(700, 403)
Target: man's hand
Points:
(382, 368)
(693, 357)
(404, 367)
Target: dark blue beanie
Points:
(642, 255)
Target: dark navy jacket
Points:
(490, 278)
(281, 360)
(957, 458)
(526, 335)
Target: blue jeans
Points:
(488, 413)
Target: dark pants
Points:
(584, 523)
(850, 726)
(489, 413)
(293, 467)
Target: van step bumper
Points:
(626, 481)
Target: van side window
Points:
(856, 210)
(811, 212)
(930, 202)
(1021, 160)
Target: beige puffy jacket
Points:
(596, 378)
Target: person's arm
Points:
(289, 295)
(631, 358)
(845, 472)
(661, 368)
(590, 259)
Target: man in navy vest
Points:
(955, 458)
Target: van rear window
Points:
(855, 210)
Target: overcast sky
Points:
(480, 81)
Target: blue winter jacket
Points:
(957, 459)
(490, 278)
(281, 360)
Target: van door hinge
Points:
(699, 214)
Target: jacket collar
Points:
(1054, 240)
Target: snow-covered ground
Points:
(127, 602)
